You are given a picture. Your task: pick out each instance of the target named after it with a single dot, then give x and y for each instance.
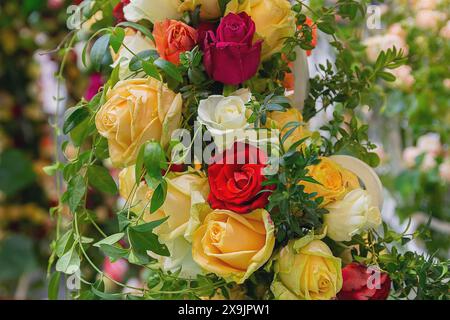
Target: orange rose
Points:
(172, 38)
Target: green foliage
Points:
(16, 172)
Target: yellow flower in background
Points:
(351, 215)
(209, 9)
(274, 21)
(136, 111)
(335, 181)
(232, 245)
(279, 119)
(306, 270)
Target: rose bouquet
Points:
(226, 191)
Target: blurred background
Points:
(410, 125)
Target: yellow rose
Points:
(306, 270)
(278, 119)
(335, 181)
(209, 9)
(232, 245)
(274, 21)
(136, 111)
(186, 194)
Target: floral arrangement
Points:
(227, 193)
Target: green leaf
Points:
(146, 241)
(69, 263)
(326, 27)
(112, 239)
(99, 51)
(101, 180)
(223, 6)
(114, 252)
(106, 296)
(123, 220)
(75, 192)
(154, 160)
(150, 226)
(158, 197)
(64, 243)
(53, 286)
(117, 36)
(146, 55)
(169, 68)
(386, 76)
(51, 170)
(137, 27)
(150, 69)
(101, 149)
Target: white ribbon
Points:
(301, 78)
(365, 173)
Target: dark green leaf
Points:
(101, 180)
(99, 51)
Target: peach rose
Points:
(173, 38)
(136, 111)
(232, 245)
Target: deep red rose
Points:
(230, 56)
(203, 28)
(355, 284)
(236, 178)
(118, 11)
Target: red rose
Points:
(235, 179)
(231, 57)
(118, 11)
(356, 284)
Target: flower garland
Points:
(227, 192)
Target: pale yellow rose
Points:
(306, 270)
(274, 20)
(186, 194)
(209, 9)
(232, 245)
(279, 119)
(137, 111)
(335, 181)
(352, 215)
(152, 10)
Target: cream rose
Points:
(152, 10)
(225, 117)
(351, 215)
(232, 245)
(137, 111)
(306, 270)
(136, 43)
(209, 9)
(186, 194)
(274, 20)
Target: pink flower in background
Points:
(430, 143)
(444, 170)
(429, 19)
(445, 31)
(95, 83)
(115, 270)
(231, 57)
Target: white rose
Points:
(136, 43)
(152, 10)
(351, 215)
(430, 143)
(225, 117)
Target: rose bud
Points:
(231, 57)
(361, 284)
